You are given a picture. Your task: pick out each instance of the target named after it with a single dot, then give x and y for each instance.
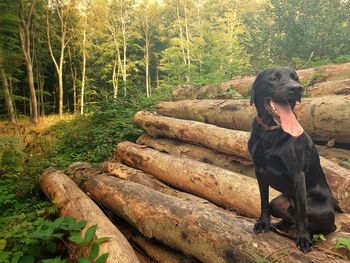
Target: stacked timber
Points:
(329, 73)
(186, 191)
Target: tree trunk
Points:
(137, 176)
(60, 189)
(234, 142)
(316, 115)
(74, 80)
(210, 235)
(8, 98)
(220, 186)
(197, 132)
(25, 21)
(198, 153)
(83, 74)
(243, 85)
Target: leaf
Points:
(16, 256)
(75, 237)
(84, 260)
(2, 244)
(89, 234)
(27, 259)
(102, 240)
(102, 258)
(51, 246)
(94, 250)
(54, 260)
(342, 243)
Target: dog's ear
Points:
(254, 87)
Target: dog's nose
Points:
(295, 88)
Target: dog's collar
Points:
(265, 126)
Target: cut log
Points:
(137, 176)
(198, 153)
(207, 234)
(156, 251)
(338, 155)
(338, 179)
(323, 118)
(197, 132)
(222, 187)
(335, 87)
(234, 142)
(217, 91)
(130, 174)
(243, 85)
(61, 190)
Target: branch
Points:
(49, 42)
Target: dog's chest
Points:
(272, 167)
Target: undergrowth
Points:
(91, 137)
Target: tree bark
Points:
(243, 85)
(222, 187)
(197, 132)
(137, 176)
(83, 72)
(25, 22)
(316, 115)
(334, 87)
(60, 189)
(234, 142)
(198, 153)
(8, 98)
(207, 234)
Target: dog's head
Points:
(275, 92)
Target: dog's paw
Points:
(304, 242)
(261, 226)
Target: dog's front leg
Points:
(303, 241)
(263, 224)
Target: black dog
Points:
(286, 159)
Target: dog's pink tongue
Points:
(288, 121)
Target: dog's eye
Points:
(272, 78)
(294, 76)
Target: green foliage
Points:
(41, 241)
(263, 260)
(342, 243)
(318, 237)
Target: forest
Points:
(81, 81)
(66, 56)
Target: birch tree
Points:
(148, 15)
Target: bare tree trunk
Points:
(25, 22)
(124, 51)
(74, 79)
(83, 74)
(8, 98)
(148, 80)
(182, 41)
(115, 76)
(187, 40)
(63, 44)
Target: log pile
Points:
(328, 73)
(186, 191)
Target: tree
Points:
(148, 16)
(63, 11)
(25, 14)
